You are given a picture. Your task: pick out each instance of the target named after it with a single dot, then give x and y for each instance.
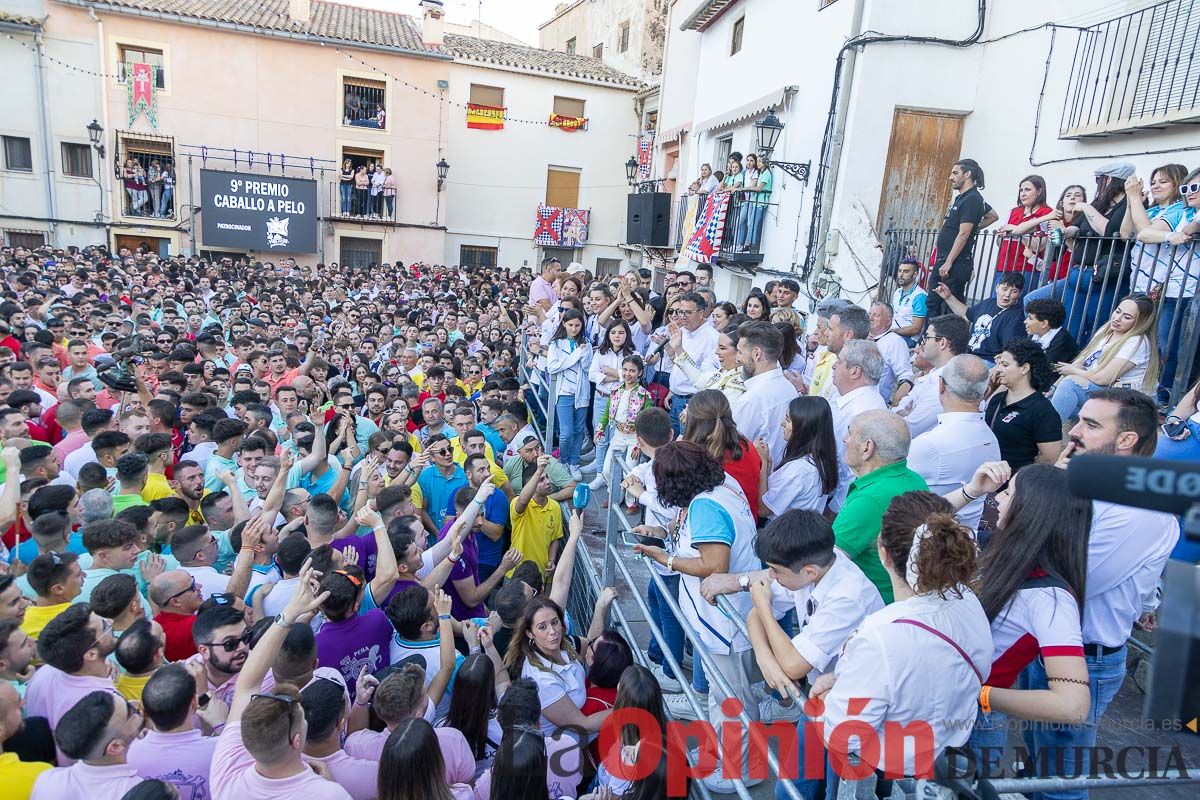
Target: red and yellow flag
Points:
(568, 124)
(487, 118)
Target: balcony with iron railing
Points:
(1140, 70)
(725, 229)
(363, 206)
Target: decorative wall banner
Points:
(485, 118)
(645, 154)
(561, 227)
(245, 211)
(710, 229)
(568, 124)
(140, 81)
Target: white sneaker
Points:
(597, 483)
(668, 684)
(576, 473)
(773, 710)
(589, 469)
(678, 707)
(716, 783)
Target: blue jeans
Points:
(660, 615)
(1052, 289)
(1170, 336)
(809, 788)
(1186, 450)
(678, 404)
(1069, 397)
(749, 225)
(569, 421)
(164, 203)
(988, 742)
(347, 192)
(601, 448)
(1087, 302)
(1072, 744)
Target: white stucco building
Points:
(1023, 86)
(625, 34)
(49, 171)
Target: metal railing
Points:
(741, 233)
(1089, 275)
(360, 205)
(1137, 70)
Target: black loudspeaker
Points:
(648, 219)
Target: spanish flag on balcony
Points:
(487, 118)
(568, 124)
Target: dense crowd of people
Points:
(276, 529)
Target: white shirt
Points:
(795, 485)
(208, 579)
(845, 408)
(829, 611)
(1046, 338)
(77, 458)
(1127, 550)
(701, 345)
(897, 364)
(759, 412)
(947, 456)
(201, 453)
(923, 403)
(556, 681)
(612, 360)
(902, 306)
(910, 675)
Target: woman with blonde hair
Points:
(710, 424)
(1124, 352)
(728, 379)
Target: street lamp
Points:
(95, 135)
(767, 132)
(631, 167)
(442, 168)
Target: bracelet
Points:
(985, 699)
(443, 616)
(670, 563)
(970, 497)
(1079, 681)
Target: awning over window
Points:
(754, 109)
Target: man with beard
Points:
(16, 777)
(189, 478)
(75, 646)
(759, 412)
(178, 597)
(222, 642)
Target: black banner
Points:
(263, 213)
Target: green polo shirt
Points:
(514, 468)
(856, 529)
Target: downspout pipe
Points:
(44, 121)
(106, 172)
(819, 224)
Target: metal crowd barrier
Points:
(1109, 266)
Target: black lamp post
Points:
(767, 131)
(442, 168)
(631, 167)
(95, 135)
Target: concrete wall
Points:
(591, 23)
(71, 104)
(995, 85)
(498, 178)
(234, 90)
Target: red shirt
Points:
(50, 423)
(37, 432)
(1012, 249)
(746, 471)
(598, 699)
(177, 628)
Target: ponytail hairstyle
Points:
(710, 425)
(521, 647)
(927, 545)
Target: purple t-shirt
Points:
(367, 551)
(349, 644)
(467, 566)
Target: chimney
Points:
(433, 25)
(300, 11)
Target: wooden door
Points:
(916, 182)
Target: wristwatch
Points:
(281, 622)
(744, 582)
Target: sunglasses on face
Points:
(1189, 188)
(440, 451)
(230, 645)
(191, 588)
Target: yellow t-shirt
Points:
(533, 531)
(38, 617)
(156, 488)
(499, 478)
(17, 777)
(130, 687)
(417, 497)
